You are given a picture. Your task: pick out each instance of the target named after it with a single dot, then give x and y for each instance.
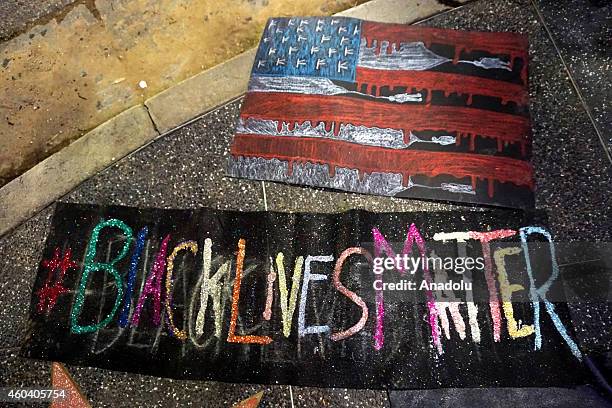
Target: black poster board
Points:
(407, 357)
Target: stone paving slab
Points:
(60, 173)
(289, 198)
(201, 92)
(181, 170)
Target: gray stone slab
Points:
(104, 388)
(582, 31)
(185, 169)
(58, 174)
(117, 389)
(21, 253)
(400, 11)
(201, 93)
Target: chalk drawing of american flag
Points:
(388, 109)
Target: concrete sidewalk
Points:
(185, 169)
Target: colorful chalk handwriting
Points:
(292, 298)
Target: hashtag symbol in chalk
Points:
(57, 267)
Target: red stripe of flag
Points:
(368, 159)
(408, 117)
(512, 44)
(442, 81)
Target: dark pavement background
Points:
(186, 169)
(582, 31)
(19, 15)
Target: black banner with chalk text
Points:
(306, 299)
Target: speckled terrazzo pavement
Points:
(582, 30)
(185, 169)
